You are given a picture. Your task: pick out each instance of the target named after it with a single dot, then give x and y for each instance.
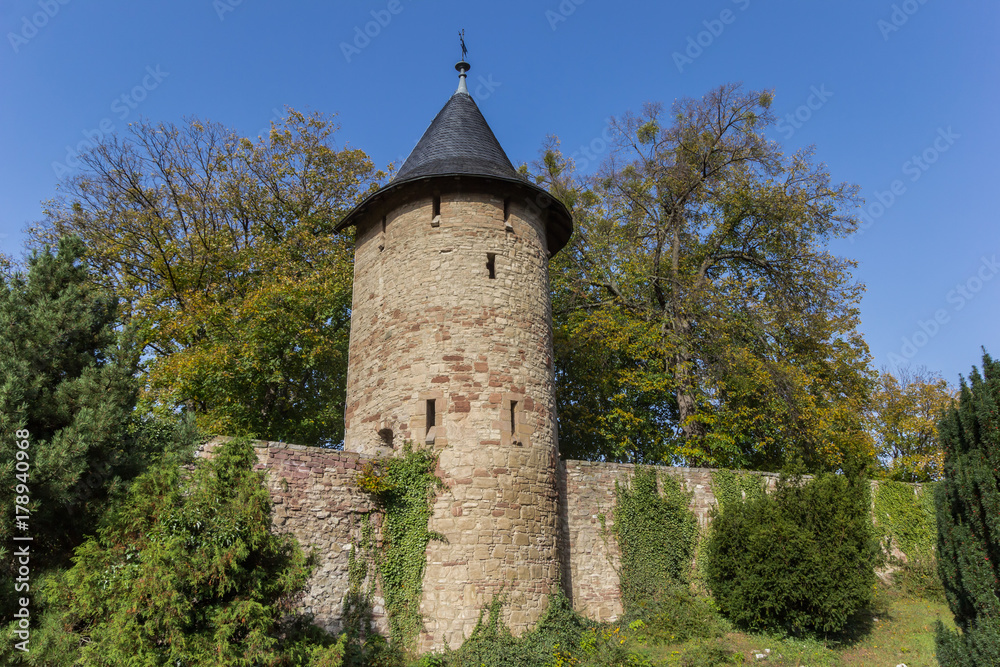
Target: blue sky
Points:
(897, 96)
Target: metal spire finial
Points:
(462, 66)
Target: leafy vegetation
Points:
(898, 629)
(66, 378)
(735, 488)
(800, 560)
(905, 518)
(403, 488)
(699, 316)
(905, 514)
(185, 570)
(906, 407)
(222, 252)
(968, 522)
(656, 534)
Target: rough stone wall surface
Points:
(453, 308)
(315, 499)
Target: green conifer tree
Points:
(187, 570)
(968, 519)
(67, 379)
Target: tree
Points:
(906, 408)
(186, 570)
(223, 253)
(67, 390)
(968, 521)
(698, 268)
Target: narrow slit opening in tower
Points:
(506, 209)
(436, 211)
(381, 242)
(513, 420)
(491, 264)
(430, 420)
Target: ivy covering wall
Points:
(904, 515)
(403, 489)
(656, 535)
(731, 487)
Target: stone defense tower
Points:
(451, 347)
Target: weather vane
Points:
(461, 39)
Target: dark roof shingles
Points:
(458, 141)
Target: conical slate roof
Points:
(457, 152)
(458, 141)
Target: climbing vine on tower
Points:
(403, 489)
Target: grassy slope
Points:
(900, 630)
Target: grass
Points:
(899, 630)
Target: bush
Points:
(186, 569)
(801, 560)
(968, 521)
(676, 615)
(492, 645)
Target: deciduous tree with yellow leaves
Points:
(700, 316)
(222, 249)
(907, 405)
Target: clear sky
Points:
(897, 96)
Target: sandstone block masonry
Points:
(316, 499)
(451, 347)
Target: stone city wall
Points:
(316, 499)
(587, 497)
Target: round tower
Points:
(451, 347)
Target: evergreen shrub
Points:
(186, 570)
(968, 522)
(800, 560)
